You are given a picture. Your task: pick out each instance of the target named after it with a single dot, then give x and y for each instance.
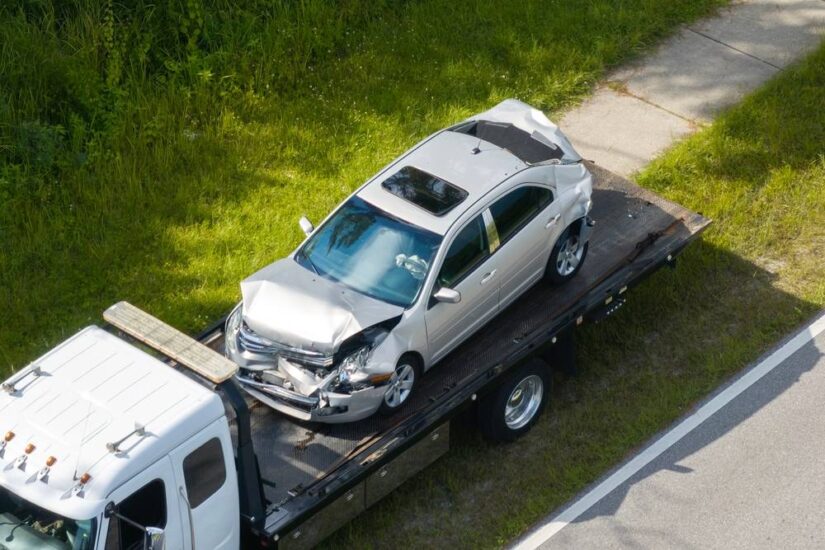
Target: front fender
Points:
(385, 356)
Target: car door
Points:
(528, 222)
(469, 268)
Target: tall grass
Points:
(159, 151)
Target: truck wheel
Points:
(401, 385)
(567, 257)
(510, 411)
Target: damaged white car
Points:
(412, 264)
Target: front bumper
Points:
(304, 399)
(325, 406)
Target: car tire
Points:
(567, 250)
(402, 384)
(514, 407)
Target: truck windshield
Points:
(371, 252)
(25, 526)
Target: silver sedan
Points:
(411, 264)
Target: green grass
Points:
(759, 172)
(160, 152)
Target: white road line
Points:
(545, 531)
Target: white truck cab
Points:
(106, 447)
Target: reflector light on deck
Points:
(84, 479)
(171, 342)
(29, 448)
(50, 461)
(9, 436)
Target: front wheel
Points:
(510, 411)
(401, 385)
(567, 257)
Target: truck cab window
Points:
(147, 507)
(204, 471)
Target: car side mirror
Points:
(447, 295)
(306, 226)
(154, 539)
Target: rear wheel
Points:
(511, 410)
(567, 257)
(401, 385)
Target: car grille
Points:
(255, 343)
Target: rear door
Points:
(207, 489)
(468, 268)
(528, 222)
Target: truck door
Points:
(207, 489)
(148, 499)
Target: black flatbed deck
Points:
(303, 464)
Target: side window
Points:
(204, 471)
(515, 209)
(146, 507)
(468, 249)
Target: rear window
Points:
(433, 194)
(531, 148)
(204, 472)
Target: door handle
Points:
(189, 512)
(488, 276)
(553, 220)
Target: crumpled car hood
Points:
(290, 305)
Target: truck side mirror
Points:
(154, 539)
(447, 295)
(306, 226)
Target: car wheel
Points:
(402, 384)
(567, 257)
(511, 410)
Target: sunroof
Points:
(425, 190)
(531, 148)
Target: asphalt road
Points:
(748, 475)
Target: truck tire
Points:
(567, 257)
(402, 385)
(511, 410)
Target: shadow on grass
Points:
(200, 187)
(730, 328)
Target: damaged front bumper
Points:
(301, 384)
(323, 406)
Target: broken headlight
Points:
(352, 374)
(352, 367)
(358, 360)
(233, 326)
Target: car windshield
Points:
(371, 252)
(25, 526)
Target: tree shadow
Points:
(703, 314)
(201, 185)
(710, 65)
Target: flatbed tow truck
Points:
(137, 416)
